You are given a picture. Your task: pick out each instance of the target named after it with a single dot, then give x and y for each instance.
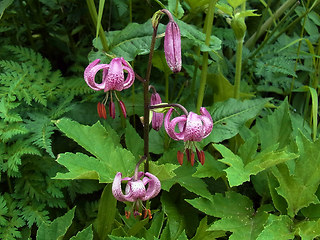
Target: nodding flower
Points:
(192, 128)
(157, 118)
(172, 44)
(113, 80)
(136, 190)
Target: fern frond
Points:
(41, 129)
(76, 86)
(35, 214)
(6, 114)
(15, 152)
(7, 131)
(3, 211)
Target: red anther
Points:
(192, 159)
(112, 109)
(101, 110)
(145, 213)
(136, 213)
(202, 158)
(188, 154)
(180, 157)
(198, 155)
(123, 109)
(127, 214)
(149, 213)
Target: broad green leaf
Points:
(134, 142)
(106, 213)
(275, 128)
(229, 116)
(85, 234)
(197, 37)
(277, 228)
(308, 230)
(57, 229)
(203, 234)
(185, 179)
(103, 144)
(299, 188)
(133, 40)
(159, 61)
(156, 141)
(236, 213)
(240, 171)
(225, 8)
(211, 168)
(163, 171)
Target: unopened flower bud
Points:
(172, 46)
(157, 118)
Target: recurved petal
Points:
(89, 67)
(117, 191)
(170, 125)
(154, 187)
(90, 76)
(131, 75)
(194, 128)
(207, 121)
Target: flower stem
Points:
(147, 100)
(136, 170)
(209, 22)
(170, 105)
(236, 92)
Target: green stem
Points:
(166, 98)
(94, 17)
(147, 101)
(209, 22)
(252, 40)
(236, 93)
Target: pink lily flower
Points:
(192, 128)
(112, 80)
(136, 190)
(157, 118)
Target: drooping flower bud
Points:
(172, 44)
(157, 118)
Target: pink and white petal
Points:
(130, 77)
(170, 125)
(89, 67)
(90, 76)
(194, 128)
(207, 121)
(137, 190)
(182, 125)
(117, 191)
(154, 187)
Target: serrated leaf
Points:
(134, 142)
(275, 128)
(277, 228)
(211, 168)
(235, 3)
(229, 116)
(103, 144)
(185, 179)
(203, 234)
(85, 234)
(57, 229)
(308, 230)
(299, 188)
(236, 213)
(239, 171)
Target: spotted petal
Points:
(117, 191)
(154, 187)
(170, 125)
(194, 129)
(207, 121)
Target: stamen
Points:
(127, 214)
(180, 157)
(192, 158)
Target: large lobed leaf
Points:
(104, 144)
(229, 116)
